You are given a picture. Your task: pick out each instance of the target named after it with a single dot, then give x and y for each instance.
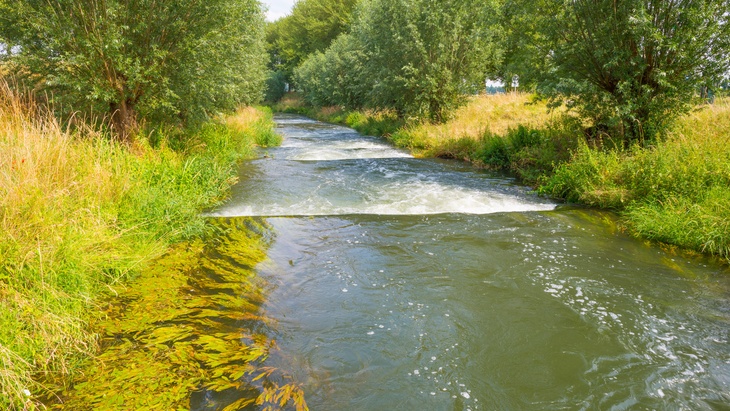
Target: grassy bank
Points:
(676, 192)
(81, 215)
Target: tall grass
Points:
(79, 215)
(484, 115)
(677, 191)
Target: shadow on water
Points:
(189, 334)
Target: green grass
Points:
(80, 215)
(676, 192)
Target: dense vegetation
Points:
(112, 142)
(152, 61)
(631, 66)
(628, 69)
(81, 215)
(418, 58)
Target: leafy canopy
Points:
(418, 57)
(630, 65)
(311, 27)
(163, 60)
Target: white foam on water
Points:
(303, 178)
(397, 198)
(347, 151)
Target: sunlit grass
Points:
(257, 124)
(677, 191)
(486, 114)
(79, 215)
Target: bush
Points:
(494, 152)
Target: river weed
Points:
(190, 322)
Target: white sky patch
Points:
(277, 8)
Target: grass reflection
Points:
(191, 323)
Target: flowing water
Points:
(413, 284)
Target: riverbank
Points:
(82, 215)
(676, 192)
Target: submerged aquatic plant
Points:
(190, 323)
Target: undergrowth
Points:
(80, 215)
(676, 192)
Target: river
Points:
(424, 284)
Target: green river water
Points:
(413, 284)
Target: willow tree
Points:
(311, 27)
(630, 65)
(335, 77)
(157, 59)
(423, 56)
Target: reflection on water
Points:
(505, 311)
(425, 284)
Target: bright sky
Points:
(277, 8)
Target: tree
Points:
(418, 57)
(178, 59)
(632, 66)
(311, 27)
(335, 77)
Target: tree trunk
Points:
(124, 120)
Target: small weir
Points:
(420, 284)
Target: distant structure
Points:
(494, 87)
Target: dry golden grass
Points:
(243, 118)
(257, 123)
(707, 125)
(494, 114)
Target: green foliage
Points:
(419, 58)
(380, 124)
(275, 86)
(311, 27)
(702, 225)
(334, 77)
(632, 67)
(79, 216)
(162, 60)
(676, 192)
(531, 153)
(494, 152)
